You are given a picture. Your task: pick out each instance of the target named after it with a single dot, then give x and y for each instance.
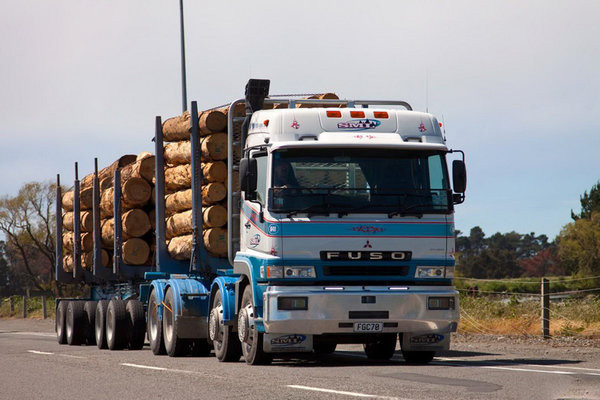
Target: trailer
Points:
(340, 229)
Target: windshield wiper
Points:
(405, 211)
(309, 209)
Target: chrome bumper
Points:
(327, 309)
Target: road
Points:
(34, 366)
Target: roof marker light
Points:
(334, 114)
(357, 114)
(266, 122)
(381, 114)
(440, 124)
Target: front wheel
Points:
(226, 343)
(251, 339)
(381, 349)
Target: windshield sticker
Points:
(359, 124)
(367, 229)
(254, 241)
(295, 124)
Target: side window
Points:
(261, 184)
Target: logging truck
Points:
(267, 227)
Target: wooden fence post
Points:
(12, 305)
(545, 296)
(24, 306)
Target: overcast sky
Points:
(516, 82)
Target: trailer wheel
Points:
(418, 357)
(154, 329)
(381, 349)
(226, 343)
(89, 309)
(174, 345)
(137, 324)
(75, 323)
(100, 324)
(116, 325)
(250, 338)
(60, 322)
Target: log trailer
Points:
(340, 230)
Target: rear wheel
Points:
(418, 357)
(226, 343)
(174, 345)
(250, 338)
(89, 309)
(381, 349)
(75, 323)
(154, 328)
(60, 322)
(100, 324)
(137, 324)
(116, 325)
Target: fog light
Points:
(292, 303)
(440, 303)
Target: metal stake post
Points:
(545, 308)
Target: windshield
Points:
(343, 181)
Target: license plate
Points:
(368, 326)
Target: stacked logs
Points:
(85, 218)
(137, 214)
(178, 177)
(137, 177)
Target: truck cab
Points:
(346, 231)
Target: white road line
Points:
(353, 394)
(181, 371)
(40, 352)
(495, 363)
(70, 356)
(30, 333)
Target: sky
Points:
(516, 83)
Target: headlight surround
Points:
(434, 272)
(291, 272)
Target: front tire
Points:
(381, 349)
(60, 322)
(250, 338)
(225, 342)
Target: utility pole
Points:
(183, 77)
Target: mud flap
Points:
(287, 343)
(425, 342)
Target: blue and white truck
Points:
(340, 230)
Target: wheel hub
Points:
(243, 325)
(214, 325)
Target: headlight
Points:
(434, 272)
(294, 272)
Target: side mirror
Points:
(248, 177)
(459, 176)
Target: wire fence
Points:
(547, 307)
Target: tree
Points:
(590, 202)
(4, 272)
(27, 221)
(579, 246)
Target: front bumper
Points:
(336, 311)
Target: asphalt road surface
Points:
(34, 366)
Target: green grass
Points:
(34, 307)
